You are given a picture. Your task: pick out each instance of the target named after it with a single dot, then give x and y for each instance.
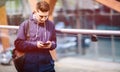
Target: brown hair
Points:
(42, 6)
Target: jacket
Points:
(36, 58)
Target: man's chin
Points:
(41, 21)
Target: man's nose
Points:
(43, 18)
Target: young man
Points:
(42, 39)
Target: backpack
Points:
(19, 57)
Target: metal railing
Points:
(75, 31)
(78, 32)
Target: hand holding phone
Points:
(47, 44)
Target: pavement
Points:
(75, 64)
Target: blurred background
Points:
(76, 52)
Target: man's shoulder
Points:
(50, 22)
(24, 22)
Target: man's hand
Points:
(48, 44)
(40, 44)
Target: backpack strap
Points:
(27, 27)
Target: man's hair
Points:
(42, 6)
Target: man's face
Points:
(41, 16)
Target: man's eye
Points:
(41, 16)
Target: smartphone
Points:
(46, 43)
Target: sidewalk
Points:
(73, 64)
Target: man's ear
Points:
(34, 11)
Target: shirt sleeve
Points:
(21, 43)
